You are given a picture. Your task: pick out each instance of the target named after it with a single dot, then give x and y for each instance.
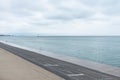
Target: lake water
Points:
(104, 50)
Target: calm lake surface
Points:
(98, 49)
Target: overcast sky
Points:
(60, 17)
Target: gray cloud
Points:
(107, 7)
(100, 3)
(71, 17)
(66, 14)
(69, 9)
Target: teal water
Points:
(98, 49)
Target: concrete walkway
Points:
(13, 67)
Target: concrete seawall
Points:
(67, 70)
